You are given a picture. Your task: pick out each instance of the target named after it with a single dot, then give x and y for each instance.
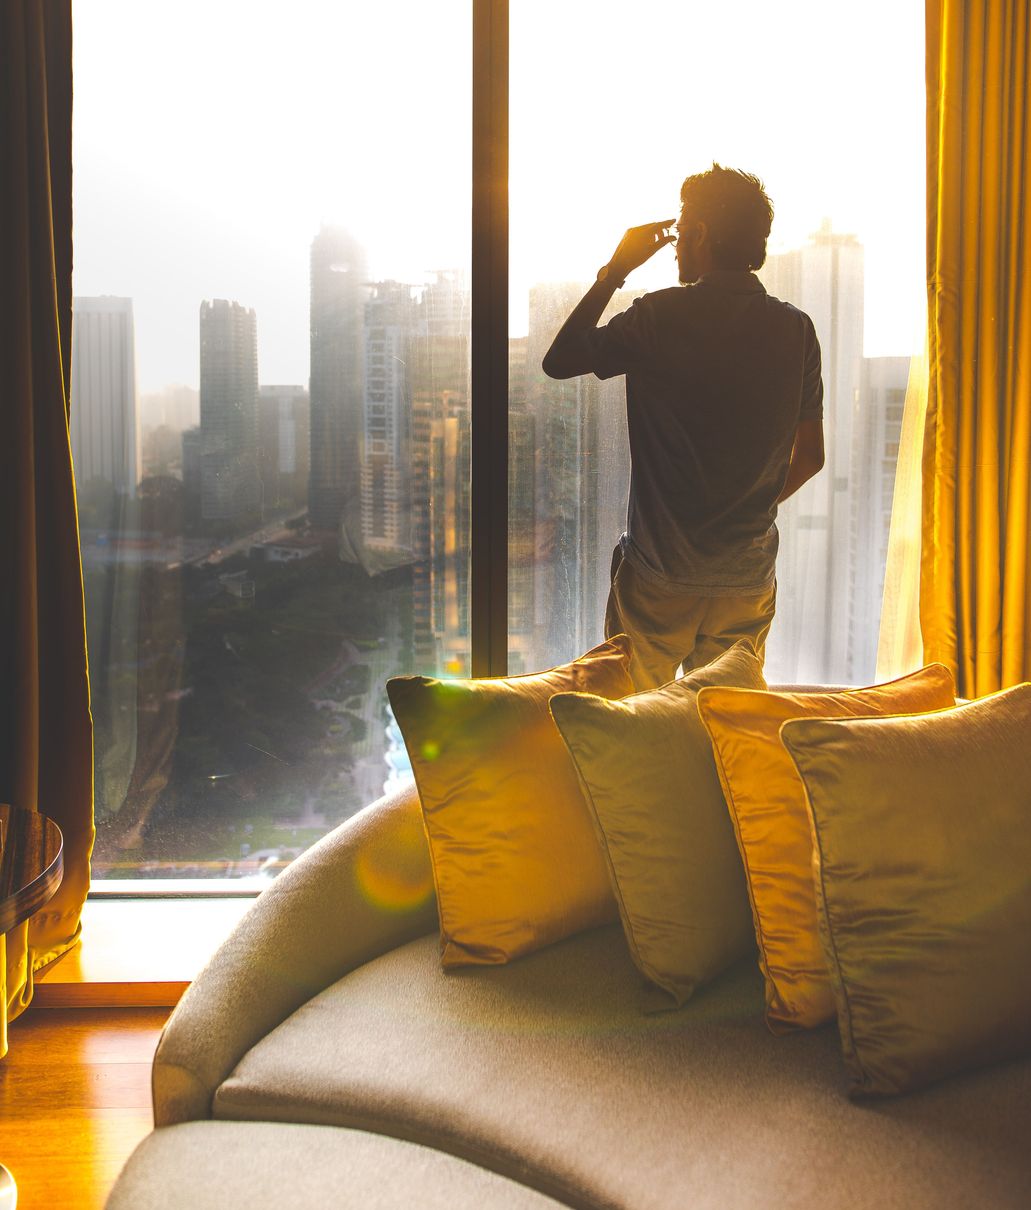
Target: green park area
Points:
(230, 723)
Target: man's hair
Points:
(735, 208)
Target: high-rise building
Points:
(809, 639)
(450, 535)
(177, 407)
(877, 430)
(441, 349)
(230, 487)
(104, 423)
(283, 446)
(522, 492)
(581, 473)
(339, 291)
(390, 321)
(191, 477)
(439, 471)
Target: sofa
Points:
(324, 1058)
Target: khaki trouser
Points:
(671, 628)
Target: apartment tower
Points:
(809, 640)
(230, 487)
(104, 421)
(339, 291)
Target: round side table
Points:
(31, 866)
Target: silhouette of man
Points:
(725, 415)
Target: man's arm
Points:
(570, 353)
(806, 457)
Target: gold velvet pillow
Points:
(767, 808)
(515, 861)
(647, 770)
(922, 866)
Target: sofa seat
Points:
(257, 1166)
(322, 1052)
(556, 1071)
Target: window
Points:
(782, 91)
(271, 330)
(273, 336)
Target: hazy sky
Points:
(212, 138)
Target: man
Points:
(725, 415)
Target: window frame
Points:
(488, 570)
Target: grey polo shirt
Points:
(718, 376)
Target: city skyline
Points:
(220, 606)
(361, 282)
(905, 342)
(169, 210)
(393, 368)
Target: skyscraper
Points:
(283, 446)
(104, 423)
(338, 294)
(386, 534)
(439, 462)
(809, 640)
(449, 534)
(522, 491)
(877, 429)
(582, 467)
(230, 488)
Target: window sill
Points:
(137, 953)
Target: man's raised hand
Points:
(640, 244)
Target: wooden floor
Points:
(75, 1101)
(75, 1085)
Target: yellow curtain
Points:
(975, 603)
(46, 747)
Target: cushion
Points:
(648, 775)
(547, 1071)
(516, 864)
(922, 863)
(767, 808)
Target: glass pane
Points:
(787, 93)
(270, 418)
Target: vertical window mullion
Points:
(489, 340)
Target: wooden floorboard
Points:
(75, 1101)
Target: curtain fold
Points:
(46, 750)
(975, 603)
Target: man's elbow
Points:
(552, 365)
(556, 366)
(810, 466)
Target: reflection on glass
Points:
(265, 545)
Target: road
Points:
(276, 531)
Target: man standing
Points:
(725, 415)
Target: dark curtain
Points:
(46, 749)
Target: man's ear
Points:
(700, 233)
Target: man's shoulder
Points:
(662, 300)
(657, 308)
(790, 309)
(693, 297)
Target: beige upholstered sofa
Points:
(324, 1060)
